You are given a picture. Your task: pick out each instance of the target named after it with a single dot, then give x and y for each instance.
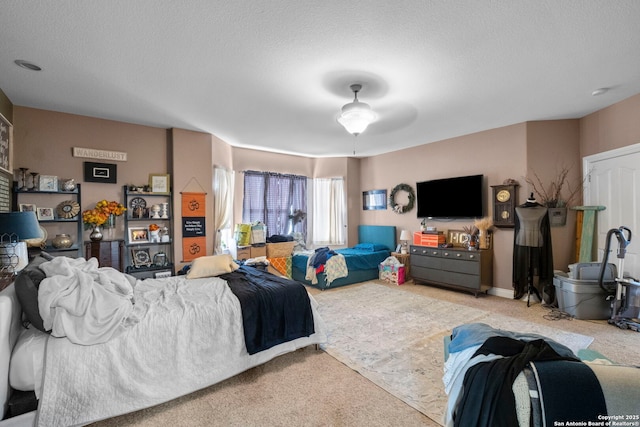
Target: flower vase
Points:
(484, 239)
(110, 226)
(96, 234)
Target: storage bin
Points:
(392, 273)
(280, 250)
(583, 299)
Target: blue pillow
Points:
(371, 247)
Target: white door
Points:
(613, 180)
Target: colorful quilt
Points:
(283, 265)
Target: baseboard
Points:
(501, 292)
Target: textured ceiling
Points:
(274, 74)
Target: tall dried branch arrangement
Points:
(551, 196)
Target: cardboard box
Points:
(257, 251)
(392, 273)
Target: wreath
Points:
(397, 208)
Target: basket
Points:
(280, 250)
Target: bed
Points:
(182, 334)
(375, 244)
(498, 377)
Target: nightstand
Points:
(404, 259)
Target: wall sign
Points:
(92, 153)
(106, 173)
(194, 240)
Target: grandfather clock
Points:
(504, 205)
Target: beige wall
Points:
(498, 154)
(43, 141)
(610, 128)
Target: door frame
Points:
(605, 155)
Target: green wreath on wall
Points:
(397, 208)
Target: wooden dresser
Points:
(110, 253)
(453, 267)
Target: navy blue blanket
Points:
(274, 309)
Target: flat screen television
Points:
(458, 197)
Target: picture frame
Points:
(48, 183)
(159, 183)
(141, 257)
(138, 235)
(27, 207)
(106, 173)
(45, 214)
(6, 145)
(374, 200)
(455, 237)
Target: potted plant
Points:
(552, 195)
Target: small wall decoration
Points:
(106, 173)
(398, 208)
(374, 200)
(138, 235)
(194, 240)
(45, 214)
(6, 145)
(159, 183)
(48, 183)
(27, 207)
(141, 257)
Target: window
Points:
(329, 212)
(277, 200)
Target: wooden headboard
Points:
(381, 234)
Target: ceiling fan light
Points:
(356, 116)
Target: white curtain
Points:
(329, 212)
(222, 206)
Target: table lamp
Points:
(405, 236)
(15, 227)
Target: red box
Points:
(431, 240)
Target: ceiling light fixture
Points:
(28, 65)
(356, 115)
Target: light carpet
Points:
(395, 338)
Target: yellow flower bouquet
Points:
(103, 213)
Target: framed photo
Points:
(27, 207)
(159, 183)
(45, 214)
(138, 235)
(106, 173)
(141, 257)
(48, 183)
(456, 237)
(6, 145)
(374, 200)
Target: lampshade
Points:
(22, 225)
(356, 115)
(405, 235)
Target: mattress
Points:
(27, 360)
(356, 259)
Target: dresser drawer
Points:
(426, 251)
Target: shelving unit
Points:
(140, 255)
(57, 225)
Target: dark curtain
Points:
(274, 199)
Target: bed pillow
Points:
(26, 285)
(211, 266)
(372, 247)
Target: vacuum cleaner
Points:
(625, 295)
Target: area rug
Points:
(395, 339)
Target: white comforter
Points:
(189, 336)
(87, 304)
